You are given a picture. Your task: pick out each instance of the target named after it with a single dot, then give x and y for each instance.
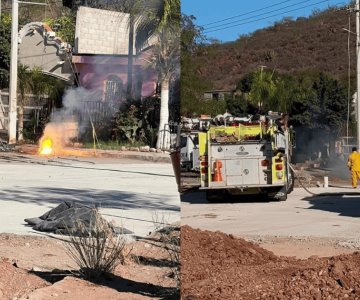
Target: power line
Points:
(264, 18)
(265, 13)
(244, 14)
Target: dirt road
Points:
(130, 192)
(320, 223)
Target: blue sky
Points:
(243, 15)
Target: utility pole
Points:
(13, 72)
(13, 68)
(358, 71)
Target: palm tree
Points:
(159, 19)
(139, 16)
(34, 82)
(40, 84)
(163, 23)
(262, 89)
(166, 60)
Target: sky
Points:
(226, 20)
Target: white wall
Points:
(101, 32)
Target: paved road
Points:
(335, 213)
(130, 192)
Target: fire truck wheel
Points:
(291, 182)
(281, 195)
(282, 198)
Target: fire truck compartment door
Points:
(250, 170)
(242, 171)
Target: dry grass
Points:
(169, 236)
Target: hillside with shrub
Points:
(298, 67)
(317, 43)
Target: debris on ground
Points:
(5, 147)
(64, 219)
(219, 266)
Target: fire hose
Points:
(300, 181)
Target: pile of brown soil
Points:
(16, 282)
(219, 266)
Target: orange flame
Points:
(46, 147)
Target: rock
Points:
(344, 282)
(136, 149)
(123, 148)
(37, 269)
(159, 151)
(152, 150)
(145, 149)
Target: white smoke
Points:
(69, 122)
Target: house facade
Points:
(100, 56)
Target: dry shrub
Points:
(95, 249)
(169, 236)
(170, 239)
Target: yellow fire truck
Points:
(247, 157)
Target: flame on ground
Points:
(46, 147)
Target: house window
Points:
(216, 96)
(113, 89)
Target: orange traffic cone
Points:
(217, 177)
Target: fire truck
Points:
(189, 141)
(240, 156)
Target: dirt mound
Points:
(16, 282)
(224, 248)
(218, 266)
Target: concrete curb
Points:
(147, 156)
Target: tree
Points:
(238, 105)
(262, 90)
(5, 45)
(192, 85)
(35, 82)
(332, 98)
(67, 24)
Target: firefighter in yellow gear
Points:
(354, 166)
